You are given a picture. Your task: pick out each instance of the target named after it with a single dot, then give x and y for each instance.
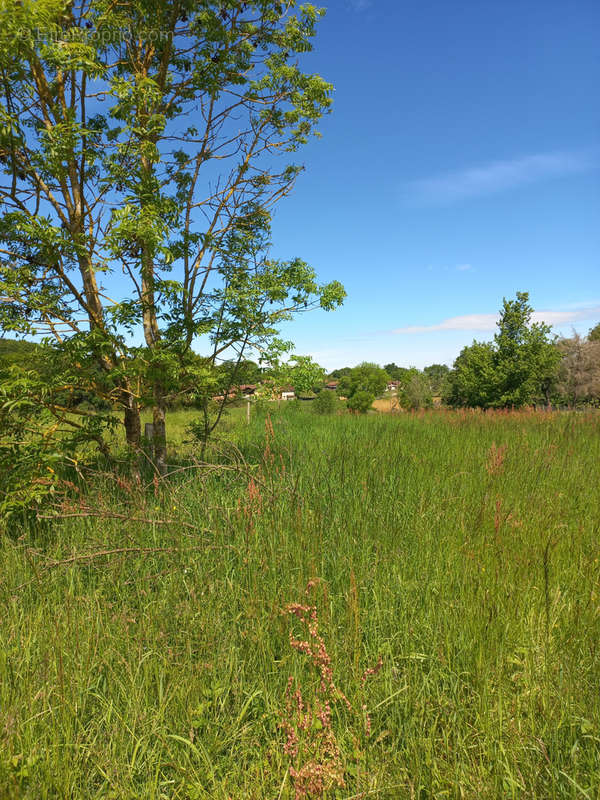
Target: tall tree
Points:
(144, 145)
(516, 369)
(525, 356)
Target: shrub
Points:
(361, 402)
(326, 402)
(417, 392)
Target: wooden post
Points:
(248, 413)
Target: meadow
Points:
(449, 559)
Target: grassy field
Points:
(145, 652)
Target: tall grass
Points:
(460, 548)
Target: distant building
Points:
(333, 385)
(288, 393)
(231, 395)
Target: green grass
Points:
(161, 672)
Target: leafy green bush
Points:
(325, 402)
(365, 377)
(27, 461)
(361, 402)
(416, 392)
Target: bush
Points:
(326, 402)
(361, 402)
(417, 392)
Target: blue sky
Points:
(460, 164)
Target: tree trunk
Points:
(160, 434)
(133, 426)
(133, 432)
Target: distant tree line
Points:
(523, 365)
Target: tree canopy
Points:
(305, 374)
(437, 375)
(516, 369)
(143, 146)
(366, 377)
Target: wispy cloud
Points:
(497, 176)
(487, 322)
(464, 267)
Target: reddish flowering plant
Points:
(310, 741)
(495, 459)
(254, 498)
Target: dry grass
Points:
(387, 405)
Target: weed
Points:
(311, 743)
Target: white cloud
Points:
(468, 322)
(487, 322)
(464, 267)
(497, 176)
